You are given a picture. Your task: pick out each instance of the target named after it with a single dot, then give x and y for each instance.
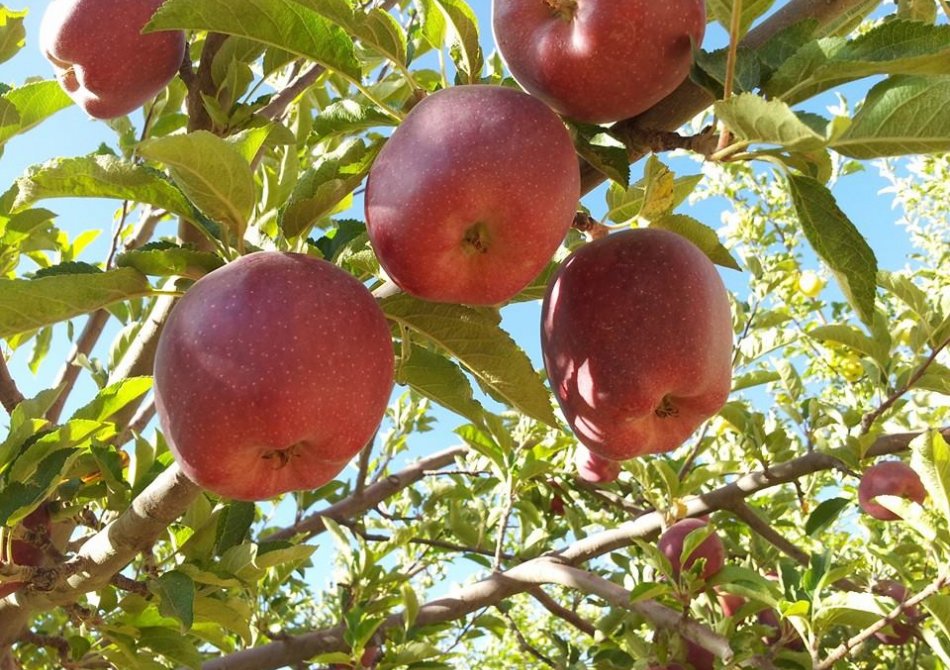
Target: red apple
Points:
(901, 632)
(557, 505)
(102, 59)
(369, 659)
(636, 334)
(27, 550)
(892, 478)
(592, 468)
(472, 195)
(730, 603)
(598, 60)
(699, 658)
(711, 549)
(271, 374)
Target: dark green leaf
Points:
(825, 514)
(233, 525)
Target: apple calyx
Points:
(666, 408)
(476, 239)
(282, 457)
(566, 9)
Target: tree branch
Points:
(371, 496)
(749, 516)
(561, 612)
(845, 648)
(10, 395)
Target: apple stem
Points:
(666, 408)
(566, 9)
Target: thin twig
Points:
(561, 612)
(10, 395)
(526, 646)
(503, 526)
(845, 648)
(436, 544)
(873, 416)
(748, 516)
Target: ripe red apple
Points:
(271, 373)
(699, 658)
(901, 632)
(711, 549)
(102, 59)
(892, 478)
(27, 550)
(730, 603)
(636, 334)
(557, 505)
(472, 195)
(598, 60)
(592, 468)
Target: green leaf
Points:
(892, 47)
(410, 602)
(166, 259)
(721, 11)
(322, 187)
(755, 119)
(625, 205)
(901, 115)
(348, 117)
(855, 339)
(12, 32)
(837, 242)
(699, 234)
(23, 107)
(113, 398)
(465, 48)
(211, 172)
(28, 304)
(441, 380)
(19, 497)
(176, 593)
(930, 458)
(100, 176)
(603, 151)
(170, 643)
(475, 339)
(283, 24)
(710, 67)
(233, 525)
(824, 515)
(27, 418)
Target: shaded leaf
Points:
(176, 592)
(441, 380)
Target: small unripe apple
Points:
(901, 631)
(890, 478)
(598, 61)
(271, 373)
(810, 284)
(711, 549)
(636, 334)
(472, 194)
(850, 367)
(102, 59)
(592, 468)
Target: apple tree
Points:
(396, 471)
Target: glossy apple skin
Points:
(901, 632)
(892, 478)
(594, 469)
(24, 551)
(671, 545)
(102, 60)
(472, 194)
(636, 335)
(602, 60)
(271, 373)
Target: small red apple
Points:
(598, 60)
(557, 505)
(271, 373)
(893, 478)
(369, 659)
(901, 632)
(28, 549)
(472, 195)
(592, 468)
(102, 59)
(636, 335)
(698, 657)
(730, 603)
(711, 549)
